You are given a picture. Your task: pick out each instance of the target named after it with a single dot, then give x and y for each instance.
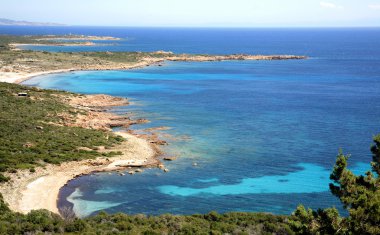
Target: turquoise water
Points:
(264, 134)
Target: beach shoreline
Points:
(40, 190)
(19, 65)
(19, 77)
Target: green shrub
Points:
(77, 225)
(3, 178)
(54, 144)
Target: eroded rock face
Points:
(95, 115)
(97, 101)
(170, 158)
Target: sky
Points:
(197, 13)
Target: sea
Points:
(252, 136)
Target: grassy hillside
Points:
(32, 131)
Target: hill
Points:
(4, 21)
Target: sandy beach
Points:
(19, 77)
(39, 190)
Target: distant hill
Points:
(26, 23)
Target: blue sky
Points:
(197, 13)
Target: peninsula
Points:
(18, 65)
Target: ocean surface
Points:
(264, 134)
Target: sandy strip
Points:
(39, 190)
(18, 77)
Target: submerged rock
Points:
(170, 158)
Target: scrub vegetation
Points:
(33, 130)
(43, 221)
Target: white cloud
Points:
(374, 6)
(330, 5)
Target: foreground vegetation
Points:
(43, 221)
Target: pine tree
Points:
(360, 195)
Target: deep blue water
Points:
(264, 134)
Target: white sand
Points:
(40, 190)
(18, 77)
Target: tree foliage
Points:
(46, 222)
(360, 195)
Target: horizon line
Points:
(202, 27)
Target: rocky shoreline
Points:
(77, 38)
